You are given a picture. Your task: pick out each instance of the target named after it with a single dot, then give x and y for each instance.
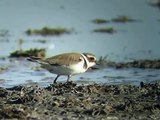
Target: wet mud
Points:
(155, 64)
(67, 101)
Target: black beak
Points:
(96, 66)
(97, 63)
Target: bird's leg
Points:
(69, 76)
(55, 80)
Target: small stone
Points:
(112, 118)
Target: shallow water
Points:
(137, 40)
(22, 72)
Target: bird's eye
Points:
(92, 59)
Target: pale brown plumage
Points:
(64, 59)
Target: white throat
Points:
(87, 62)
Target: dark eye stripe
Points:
(92, 59)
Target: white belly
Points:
(66, 70)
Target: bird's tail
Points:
(36, 59)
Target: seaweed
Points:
(105, 30)
(26, 53)
(123, 19)
(45, 31)
(99, 21)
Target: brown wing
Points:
(64, 59)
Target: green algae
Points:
(26, 53)
(45, 31)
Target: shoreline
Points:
(72, 101)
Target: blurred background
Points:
(138, 39)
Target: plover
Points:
(68, 64)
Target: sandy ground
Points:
(68, 101)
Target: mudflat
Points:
(67, 101)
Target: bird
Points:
(67, 64)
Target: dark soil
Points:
(67, 101)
